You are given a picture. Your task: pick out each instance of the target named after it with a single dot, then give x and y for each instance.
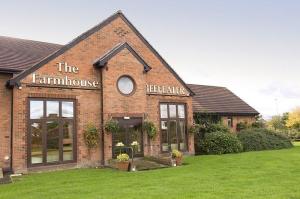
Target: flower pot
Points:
(123, 166)
(178, 161)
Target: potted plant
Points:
(177, 156)
(112, 126)
(123, 162)
(150, 128)
(91, 137)
(194, 128)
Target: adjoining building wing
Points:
(214, 99)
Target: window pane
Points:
(172, 110)
(125, 85)
(173, 134)
(52, 109)
(67, 109)
(164, 140)
(181, 111)
(36, 143)
(164, 125)
(52, 141)
(36, 109)
(181, 136)
(68, 141)
(163, 111)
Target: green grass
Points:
(296, 143)
(267, 174)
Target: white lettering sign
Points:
(65, 80)
(165, 90)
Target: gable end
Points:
(110, 54)
(16, 80)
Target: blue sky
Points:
(252, 47)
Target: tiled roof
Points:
(213, 99)
(17, 55)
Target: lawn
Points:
(267, 174)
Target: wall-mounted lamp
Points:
(6, 158)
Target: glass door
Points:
(131, 132)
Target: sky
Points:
(251, 47)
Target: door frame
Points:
(142, 135)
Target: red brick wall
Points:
(5, 124)
(237, 119)
(83, 55)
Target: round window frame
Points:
(134, 85)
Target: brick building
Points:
(50, 93)
(222, 105)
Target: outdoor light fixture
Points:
(6, 158)
(133, 168)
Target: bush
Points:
(220, 143)
(176, 154)
(263, 139)
(210, 128)
(292, 134)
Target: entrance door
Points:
(131, 131)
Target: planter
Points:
(123, 166)
(178, 161)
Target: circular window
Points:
(125, 85)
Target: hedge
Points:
(263, 139)
(220, 143)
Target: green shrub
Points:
(91, 136)
(176, 153)
(220, 143)
(150, 128)
(112, 126)
(263, 139)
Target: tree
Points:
(293, 120)
(277, 123)
(259, 122)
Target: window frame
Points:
(231, 122)
(43, 122)
(168, 119)
(134, 85)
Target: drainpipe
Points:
(102, 119)
(11, 131)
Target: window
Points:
(173, 127)
(51, 135)
(125, 85)
(229, 122)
